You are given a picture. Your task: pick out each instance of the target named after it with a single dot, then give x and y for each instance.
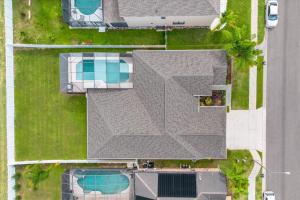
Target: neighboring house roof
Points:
(144, 8)
(209, 185)
(159, 118)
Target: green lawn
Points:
(261, 21)
(50, 189)
(242, 8)
(258, 184)
(240, 87)
(260, 84)
(234, 157)
(46, 27)
(3, 172)
(48, 124)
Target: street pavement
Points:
(283, 103)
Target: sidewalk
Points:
(254, 173)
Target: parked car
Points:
(268, 195)
(271, 13)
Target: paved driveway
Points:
(245, 129)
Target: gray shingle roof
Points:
(210, 185)
(142, 8)
(159, 118)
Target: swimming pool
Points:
(106, 182)
(88, 7)
(109, 71)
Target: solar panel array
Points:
(177, 185)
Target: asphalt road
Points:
(283, 103)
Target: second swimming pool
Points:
(106, 182)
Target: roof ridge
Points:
(184, 144)
(145, 184)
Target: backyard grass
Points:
(3, 171)
(233, 158)
(240, 87)
(50, 189)
(48, 124)
(261, 21)
(47, 27)
(260, 82)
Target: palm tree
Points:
(242, 49)
(227, 21)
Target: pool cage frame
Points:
(74, 79)
(73, 16)
(70, 189)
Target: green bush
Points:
(18, 197)
(17, 187)
(208, 101)
(17, 176)
(35, 174)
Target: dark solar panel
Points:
(141, 198)
(176, 185)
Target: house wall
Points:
(189, 21)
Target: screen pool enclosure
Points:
(82, 71)
(83, 13)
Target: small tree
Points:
(35, 174)
(227, 21)
(17, 176)
(17, 187)
(243, 50)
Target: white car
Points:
(271, 13)
(268, 195)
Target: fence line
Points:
(55, 46)
(10, 104)
(33, 162)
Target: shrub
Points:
(35, 174)
(18, 197)
(17, 187)
(208, 101)
(17, 176)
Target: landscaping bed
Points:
(218, 98)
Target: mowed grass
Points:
(260, 82)
(261, 21)
(48, 123)
(46, 26)
(3, 160)
(240, 87)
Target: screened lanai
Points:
(82, 71)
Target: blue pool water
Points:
(88, 7)
(106, 182)
(112, 71)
